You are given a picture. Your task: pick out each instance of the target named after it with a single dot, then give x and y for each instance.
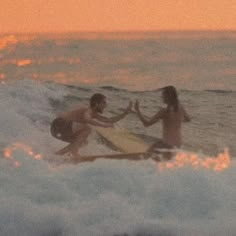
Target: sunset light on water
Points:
(9, 152)
(180, 160)
(55, 54)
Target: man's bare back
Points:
(74, 126)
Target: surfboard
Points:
(131, 146)
(123, 140)
(114, 156)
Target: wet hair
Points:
(172, 97)
(96, 98)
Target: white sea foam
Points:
(105, 197)
(114, 197)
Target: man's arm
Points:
(102, 118)
(116, 118)
(89, 120)
(97, 123)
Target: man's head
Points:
(98, 102)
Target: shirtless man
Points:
(74, 126)
(172, 117)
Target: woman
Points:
(172, 117)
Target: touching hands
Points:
(129, 108)
(136, 106)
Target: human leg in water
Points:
(80, 139)
(157, 146)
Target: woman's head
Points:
(170, 97)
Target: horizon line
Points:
(119, 31)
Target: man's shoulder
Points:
(86, 112)
(81, 109)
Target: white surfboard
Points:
(123, 140)
(114, 156)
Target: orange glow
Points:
(12, 40)
(2, 76)
(7, 41)
(8, 153)
(219, 163)
(112, 15)
(24, 62)
(34, 76)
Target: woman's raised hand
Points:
(129, 108)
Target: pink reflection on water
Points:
(61, 60)
(2, 76)
(229, 71)
(23, 62)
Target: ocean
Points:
(42, 75)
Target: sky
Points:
(116, 15)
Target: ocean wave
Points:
(112, 88)
(219, 91)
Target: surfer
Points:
(172, 116)
(74, 126)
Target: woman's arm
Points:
(186, 117)
(159, 115)
(142, 118)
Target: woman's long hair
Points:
(171, 96)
